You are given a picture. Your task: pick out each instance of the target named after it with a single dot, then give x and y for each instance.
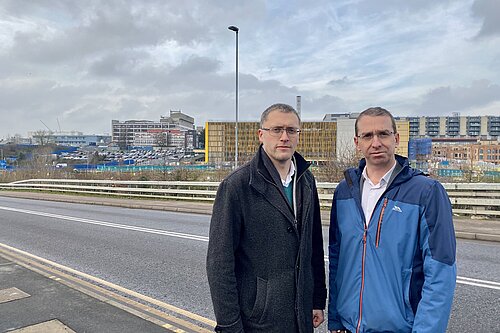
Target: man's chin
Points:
(283, 157)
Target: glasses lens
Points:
(367, 136)
(383, 135)
(278, 131)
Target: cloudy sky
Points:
(76, 65)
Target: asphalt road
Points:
(162, 255)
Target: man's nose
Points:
(376, 141)
(284, 136)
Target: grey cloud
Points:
(30, 101)
(196, 66)
(107, 27)
(489, 12)
(318, 107)
(118, 64)
(369, 7)
(339, 82)
(446, 99)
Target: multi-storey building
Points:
(124, 133)
(454, 126)
(494, 126)
(471, 150)
(316, 143)
(71, 138)
(172, 139)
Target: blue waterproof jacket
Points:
(397, 274)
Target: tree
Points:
(42, 137)
(345, 157)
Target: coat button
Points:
(289, 229)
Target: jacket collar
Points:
(263, 164)
(266, 180)
(402, 172)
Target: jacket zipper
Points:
(379, 226)
(362, 280)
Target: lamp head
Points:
(233, 28)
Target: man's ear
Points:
(260, 133)
(356, 142)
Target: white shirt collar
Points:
(288, 179)
(384, 180)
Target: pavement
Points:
(33, 302)
(36, 297)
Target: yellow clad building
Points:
(403, 128)
(317, 142)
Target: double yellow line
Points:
(170, 317)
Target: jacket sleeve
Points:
(318, 256)
(437, 242)
(224, 233)
(333, 256)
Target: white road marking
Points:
(460, 279)
(109, 224)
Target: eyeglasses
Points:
(381, 135)
(278, 131)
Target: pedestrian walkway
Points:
(31, 302)
(38, 295)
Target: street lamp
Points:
(236, 29)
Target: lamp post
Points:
(236, 29)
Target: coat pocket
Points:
(259, 306)
(409, 316)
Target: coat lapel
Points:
(265, 180)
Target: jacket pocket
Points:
(259, 306)
(409, 316)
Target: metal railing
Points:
(466, 198)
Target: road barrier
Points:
(466, 198)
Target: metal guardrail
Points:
(466, 198)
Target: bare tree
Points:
(345, 157)
(42, 137)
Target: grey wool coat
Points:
(266, 270)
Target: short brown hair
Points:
(376, 112)
(277, 107)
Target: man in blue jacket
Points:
(392, 242)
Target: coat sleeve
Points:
(437, 242)
(333, 256)
(224, 234)
(318, 257)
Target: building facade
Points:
(73, 138)
(473, 152)
(316, 143)
(454, 126)
(128, 133)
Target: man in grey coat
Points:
(265, 261)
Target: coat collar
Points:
(266, 180)
(262, 164)
(402, 172)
